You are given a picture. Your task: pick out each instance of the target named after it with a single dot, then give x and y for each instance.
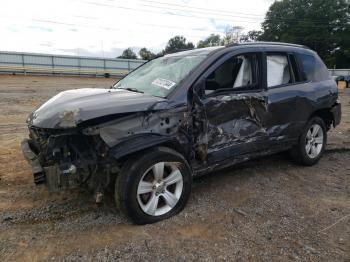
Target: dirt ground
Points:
(268, 209)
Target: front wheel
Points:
(312, 143)
(153, 186)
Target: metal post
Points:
(53, 65)
(104, 65)
(79, 67)
(23, 65)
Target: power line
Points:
(200, 8)
(50, 21)
(119, 29)
(200, 17)
(210, 11)
(200, 12)
(141, 24)
(163, 13)
(316, 40)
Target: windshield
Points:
(159, 76)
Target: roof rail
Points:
(266, 43)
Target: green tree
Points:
(212, 40)
(176, 44)
(146, 54)
(342, 55)
(322, 25)
(233, 35)
(128, 54)
(251, 36)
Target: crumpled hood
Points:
(69, 108)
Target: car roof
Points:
(267, 44)
(213, 49)
(197, 51)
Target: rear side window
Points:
(278, 70)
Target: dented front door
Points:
(235, 124)
(233, 105)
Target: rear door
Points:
(287, 94)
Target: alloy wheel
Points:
(160, 188)
(314, 141)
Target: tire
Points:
(309, 149)
(144, 194)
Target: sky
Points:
(104, 28)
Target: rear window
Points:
(312, 68)
(308, 66)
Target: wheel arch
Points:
(326, 115)
(140, 143)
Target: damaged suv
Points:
(183, 115)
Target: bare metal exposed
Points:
(182, 115)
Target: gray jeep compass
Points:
(179, 116)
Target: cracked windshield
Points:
(159, 76)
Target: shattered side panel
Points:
(170, 124)
(227, 124)
(235, 123)
(234, 118)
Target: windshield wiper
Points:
(132, 89)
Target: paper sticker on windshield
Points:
(167, 84)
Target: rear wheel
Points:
(153, 186)
(311, 143)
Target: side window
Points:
(278, 70)
(236, 73)
(308, 66)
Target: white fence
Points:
(339, 72)
(31, 63)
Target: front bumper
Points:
(336, 112)
(33, 160)
(54, 178)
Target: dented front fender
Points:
(140, 142)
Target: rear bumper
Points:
(336, 112)
(33, 160)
